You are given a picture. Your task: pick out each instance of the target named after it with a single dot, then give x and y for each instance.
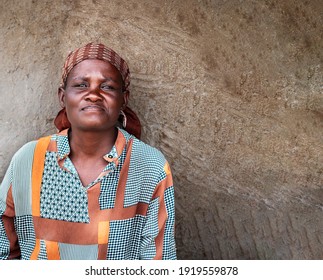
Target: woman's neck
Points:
(91, 144)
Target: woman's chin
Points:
(94, 126)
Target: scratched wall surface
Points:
(231, 92)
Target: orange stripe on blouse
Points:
(103, 232)
(167, 169)
(120, 143)
(52, 146)
(162, 213)
(162, 217)
(162, 186)
(37, 173)
(34, 254)
(52, 250)
(123, 179)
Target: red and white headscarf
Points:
(98, 51)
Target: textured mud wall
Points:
(230, 91)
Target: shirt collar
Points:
(63, 146)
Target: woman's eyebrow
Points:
(110, 79)
(105, 79)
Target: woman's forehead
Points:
(90, 67)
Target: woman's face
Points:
(93, 96)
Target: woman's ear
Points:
(61, 97)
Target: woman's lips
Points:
(93, 108)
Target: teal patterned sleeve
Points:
(8, 238)
(158, 236)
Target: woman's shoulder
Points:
(147, 150)
(144, 152)
(27, 150)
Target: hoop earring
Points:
(124, 119)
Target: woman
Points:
(93, 190)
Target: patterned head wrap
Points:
(98, 51)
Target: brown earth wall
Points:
(230, 91)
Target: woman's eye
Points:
(107, 87)
(79, 85)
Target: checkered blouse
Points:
(126, 213)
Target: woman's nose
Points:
(94, 94)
